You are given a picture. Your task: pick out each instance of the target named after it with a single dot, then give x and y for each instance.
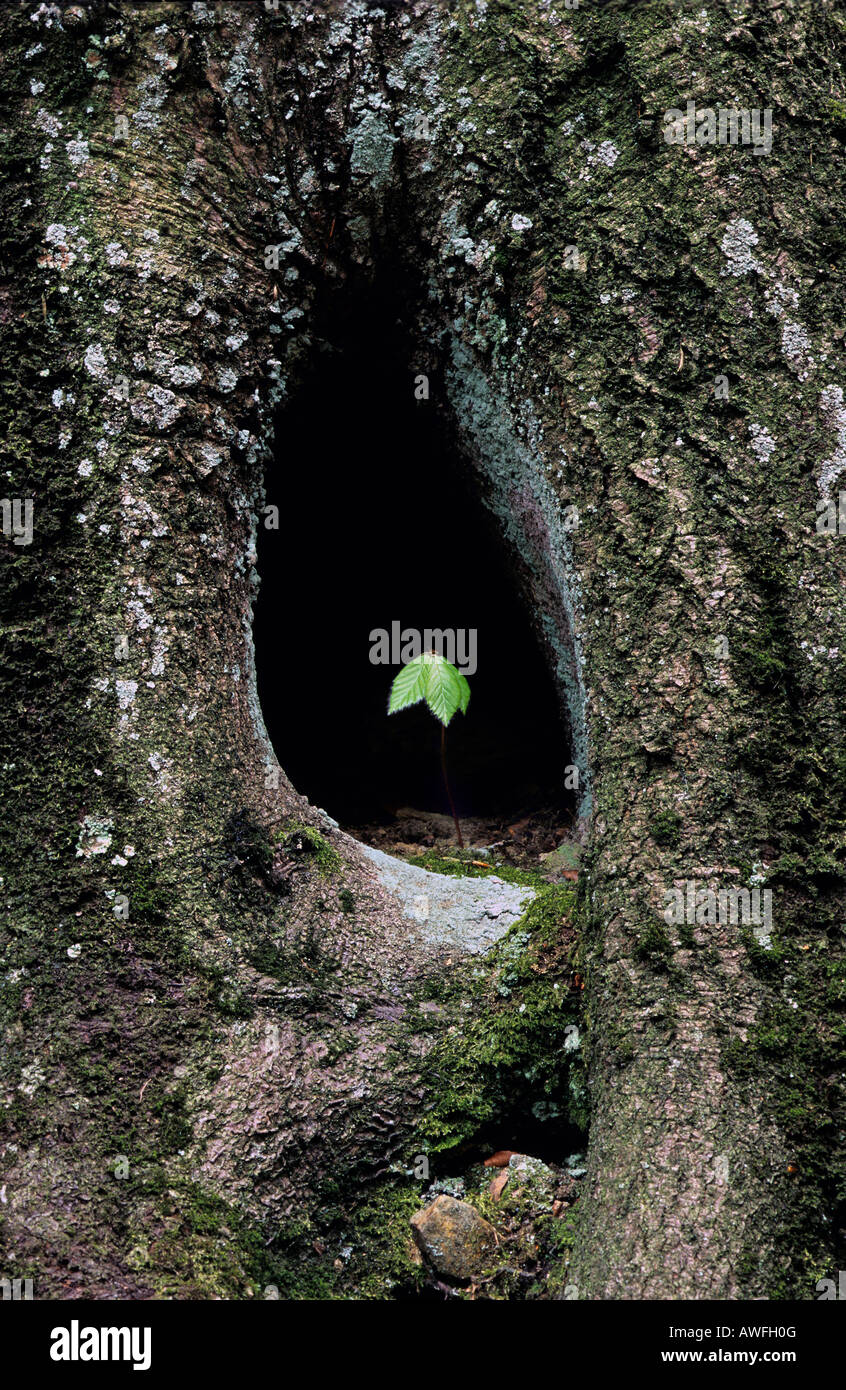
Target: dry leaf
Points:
(499, 1159)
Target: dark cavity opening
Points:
(378, 524)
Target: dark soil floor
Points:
(537, 841)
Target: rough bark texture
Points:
(267, 1039)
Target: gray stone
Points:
(531, 1173)
(470, 913)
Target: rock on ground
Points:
(453, 1238)
(470, 913)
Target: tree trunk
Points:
(219, 1010)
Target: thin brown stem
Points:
(446, 784)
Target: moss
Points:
(780, 775)
(381, 1263)
(147, 898)
(460, 864)
(306, 841)
(305, 960)
(762, 656)
(802, 1065)
(231, 1001)
(352, 1246)
(174, 1128)
(563, 1233)
(198, 1246)
(665, 828)
(687, 936)
(653, 945)
(349, 1246)
(246, 849)
(513, 1055)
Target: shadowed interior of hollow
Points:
(378, 525)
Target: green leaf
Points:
(431, 678)
(443, 689)
(409, 685)
(465, 692)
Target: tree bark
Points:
(640, 344)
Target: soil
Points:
(538, 841)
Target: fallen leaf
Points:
(498, 1184)
(499, 1159)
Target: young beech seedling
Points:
(429, 677)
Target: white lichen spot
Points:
(795, 344)
(141, 617)
(48, 15)
(116, 254)
(737, 243)
(126, 691)
(32, 1076)
(834, 415)
(520, 223)
(161, 767)
(209, 457)
(51, 125)
(762, 444)
(60, 256)
(372, 149)
(239, 70)
(160, 646)
(166, 407)
(227, 380)
(95, 361)
(153, 95)
(605, 153)
(778, 296)
(94, 837)
(182, 375)
(78, 151)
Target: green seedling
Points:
(431, 678)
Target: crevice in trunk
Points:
(379, 512)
